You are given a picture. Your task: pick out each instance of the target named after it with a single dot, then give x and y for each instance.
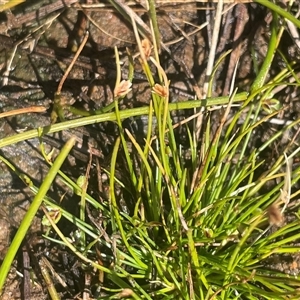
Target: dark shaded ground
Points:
(45, 53)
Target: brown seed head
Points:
(160, 90)
(122, 89)
(146, 46)
(274, 215)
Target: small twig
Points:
(286, 190)
(293, 29)
(24, 110)
(8, 67)
(210, 63)
(26, 274)
(47, 264)
(49, 283)
(61, 83)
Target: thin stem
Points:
(124, 114)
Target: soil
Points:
(46, 46)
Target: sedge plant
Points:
(178, 227)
